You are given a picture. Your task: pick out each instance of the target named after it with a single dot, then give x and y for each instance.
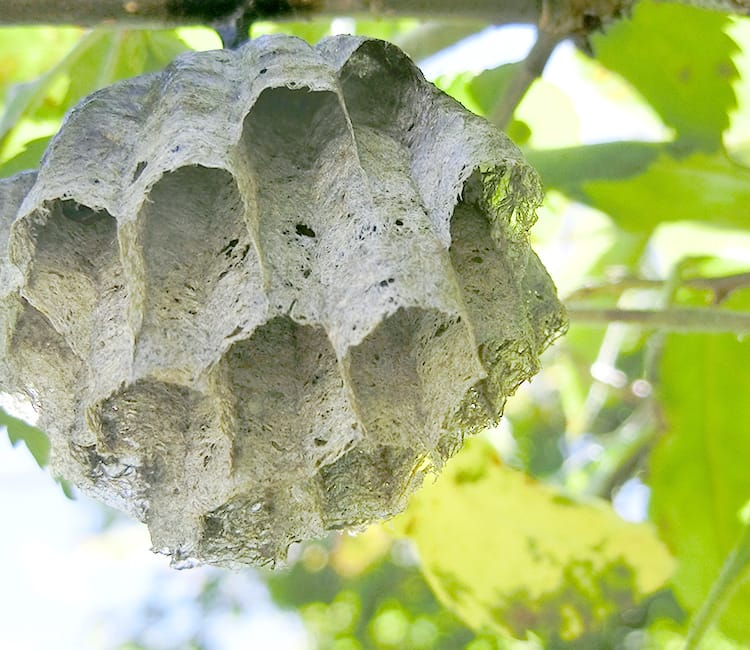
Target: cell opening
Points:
(75, 265)
(195, 245)
(292, 411)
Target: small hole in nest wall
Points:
(227, 250)
(305, 231)
(139, 170)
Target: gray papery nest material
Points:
(256, 296)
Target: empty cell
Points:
(199, 259)
(490, 289)
(285, 136)
(291, 409)
(391, 108)
(386, 381)
(365, 484)
(42, 356)
(75, 252)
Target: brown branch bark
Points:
(168, 13)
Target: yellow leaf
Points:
(513, 555)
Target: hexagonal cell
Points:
(258, 527)
(410, 374)
(170, 438)
(367, 484)
(490, 293)
(198, 259)
(76, 259)
(284, 138)
(290, 408)
(381, 66)
(42, 361)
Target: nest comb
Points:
(255, 296)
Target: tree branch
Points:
(530, 70)
(708, 319)
(170, 13)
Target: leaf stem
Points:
(729, 579)
(687, 319)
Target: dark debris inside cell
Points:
(83, 214)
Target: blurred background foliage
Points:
(601, 510)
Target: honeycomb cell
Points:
(290, 408)
(196, 253)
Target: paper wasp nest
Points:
(254, 297)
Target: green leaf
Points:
(100, 58)
(457, 86)
(113, 55)
(489, 87)
(28, 158)
(34, 439)
(698, 474)
(545, 117)
(510, 554)
(550, 115)
(24, 99)
(732, 574)
(680, 59)
(701, 187)
(567, 169)
(640, 184)
(387, 30)
(311, 30)
(27, 52)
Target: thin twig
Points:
(657, 340)
(234, 31)
(721, 286)
(531, 69)
(635, 438)
(705, 319)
